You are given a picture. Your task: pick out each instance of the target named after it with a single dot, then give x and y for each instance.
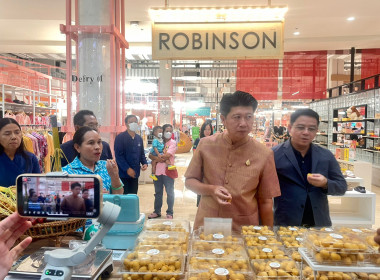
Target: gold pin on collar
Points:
(248, 163)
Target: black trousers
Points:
(131, 185)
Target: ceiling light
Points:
(296, 33)
(351, 18)
(227, 14)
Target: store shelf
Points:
(348, 133)
(317, 267)
(322, 144)
(374, 137)
(354, 179)
(371, 151)
(322, 133)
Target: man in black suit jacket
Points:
(307, 174)
(83, 118)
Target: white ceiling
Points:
(33, 26)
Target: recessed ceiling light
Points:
(296, 33)
(351, 18)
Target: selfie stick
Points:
(60, 262)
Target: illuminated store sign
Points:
(243, 40)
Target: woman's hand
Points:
(112, 168)
(11, 229)
(222, 195)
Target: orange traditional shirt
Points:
(246, 169)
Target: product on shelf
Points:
(291, 241)
(295, 255)
(215, 272)
(368, 276)
(212, 249)
(171, 239)
(267, 252)
(328, 275)
(148, 261)
(356, 230)
(260, 240)
(167, 225)
(291, 231)
(200, 235)
(257, 230)
(337, 249)
(276, 269)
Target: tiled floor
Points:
(185, 200)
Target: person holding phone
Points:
(14, 159)
(88, 145)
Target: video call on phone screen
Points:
(66, 197)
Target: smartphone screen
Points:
(58, 197)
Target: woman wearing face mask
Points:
(162, 179)
(130, 156)
(88, 145)
(14, 160)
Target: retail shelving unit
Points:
(318, 267)
(33, 97)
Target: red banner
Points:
(258, 77)
(304, 75)
(370, 65)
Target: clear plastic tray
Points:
(257, 230)
(212, 249)
(337, 249)
(222, 273)
(368, 238)
(353, 230)
(279, 269)
(167, 225)
(251, 240)
(236, 265)
(291, 241)
(147, 260)
(329, 275)
(173, 239)
(200, 235)
(290, 231)
(267, 252)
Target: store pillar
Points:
(165, 92)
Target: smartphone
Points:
(69, 196)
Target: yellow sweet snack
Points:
(368, 276)
(291, 241)
(219, 273)
(236, 265)
(216, 237)
(260, 240)
(291, 231)
(168, 225)
(257, 230)
(166, 238)
(337, 248)
(267, 252)
(211, 249)
(276, 268)
(296, 256)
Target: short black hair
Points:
(203, 127)
(166, 126)
(84, 190)
(238, 98)
(129, 117)
(74, 185)
(79, 117)
(157, 127)
(304, 112)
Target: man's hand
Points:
(11, 229)
(317, 180)
(222, 195)
(144, 167)
(131, 173)
(112, 168)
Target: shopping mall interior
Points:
(330, 62)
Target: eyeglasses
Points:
(311, 129)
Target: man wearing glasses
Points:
(83, 118)
(307, 174)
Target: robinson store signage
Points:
(258, 40)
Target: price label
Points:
(164, 236)
(267, 250)
(218, 236)
(293, 229)
(299, 239)
(356, 230)
(167, 223)
(153, 252)
(263, 238)
(274, 265)
(221, 271)
(337, 236)
(218, 251)
(257, 228)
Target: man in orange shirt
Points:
(234, 174)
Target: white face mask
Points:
(159, 135)
(168, 135)
(134, 127)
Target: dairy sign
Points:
(247, 40)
